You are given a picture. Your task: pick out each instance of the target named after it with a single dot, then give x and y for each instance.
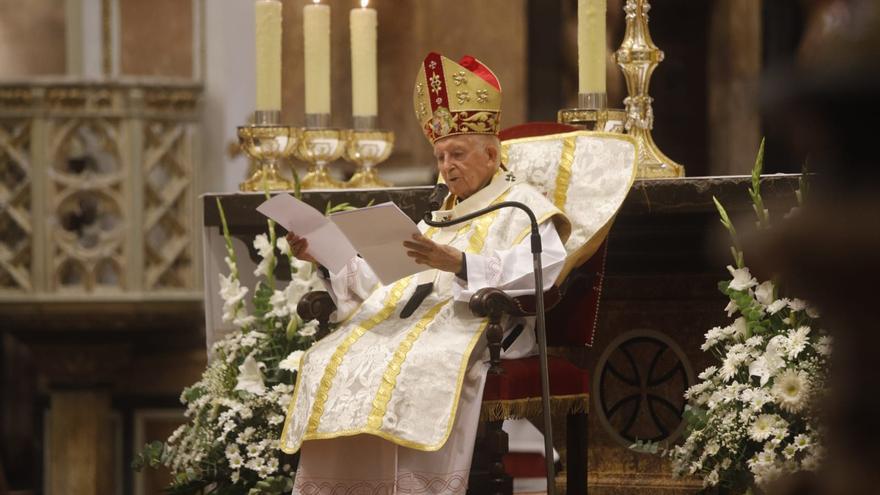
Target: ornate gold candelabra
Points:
(267, 141)
(638, 56)
(367, 148)
(319, 145)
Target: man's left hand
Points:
(440, 256)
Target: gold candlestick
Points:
(638, 56)
(368, 148)
(318, 147)
(267, 142)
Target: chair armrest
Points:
(495, 303)
(317, 305)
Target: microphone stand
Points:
(539, 320)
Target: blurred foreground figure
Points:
(830, 251)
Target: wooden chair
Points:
(587, 175)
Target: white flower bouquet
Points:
(752, 417)
(236, 410)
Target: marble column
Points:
(734, 67)
(80, 443)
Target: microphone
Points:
(435, 200)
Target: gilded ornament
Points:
(482, 96)
(459, 78)
(420, 89)
(463, 97)
(436, 85)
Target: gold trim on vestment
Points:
(389, 379)
(563, 175)
(326, 382)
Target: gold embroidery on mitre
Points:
(436, 85)
(473, 108)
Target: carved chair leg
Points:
(576, 468)
(500, 483)
(494, 336)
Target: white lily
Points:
(250, 378)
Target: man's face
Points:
(465, 163)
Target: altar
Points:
(666, 253)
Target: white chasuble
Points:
(403, 380)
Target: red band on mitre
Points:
(433, 66)
(477, 67)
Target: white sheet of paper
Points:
(377, 233)
(327, 243)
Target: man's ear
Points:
(492, 151)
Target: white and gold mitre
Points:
(456, 98)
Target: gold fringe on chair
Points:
(496, 410)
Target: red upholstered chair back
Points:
(532, 129)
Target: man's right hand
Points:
(299, 247)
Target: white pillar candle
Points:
(316, 32)
(363, 22)
(591, 46)
(268, 42)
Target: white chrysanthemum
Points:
(791, 389)
(777, 305)
(742, 279)
(755, 398)
(231, 450)
(275, 419)
(764, 427)
(250, 378)
(309, 328)
(253, 449)
(754, 341)
(708, 373)
(235, 461)
(713, 336)
(291, 362)
(797, 341)
(802, 441)
(235, 476)
(764, 293)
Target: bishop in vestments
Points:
(389, 402)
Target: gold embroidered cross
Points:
(459, 78)
(482, 95)
(463, 96)
(435, 84)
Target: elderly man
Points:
(390, 400)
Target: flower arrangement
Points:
(236, 410)
(752, 417)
